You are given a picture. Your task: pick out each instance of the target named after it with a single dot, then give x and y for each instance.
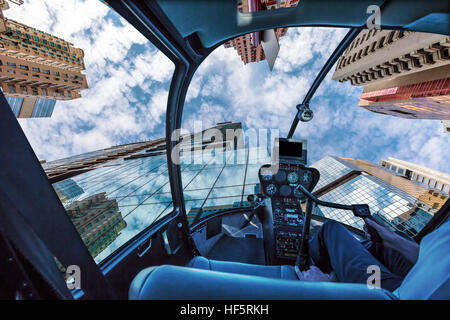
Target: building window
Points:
(34, 90)
(12, 89)
(446, 189)
(46, 71)
(44, 91)
(11, 64)
(23, 89)
(35, 38)
(24, 67)
(52, 44)
(44, 41)
(55, 73)
(36, 69)
(69, 94)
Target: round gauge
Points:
(298, 194)
(292, 177)
(280, 176)
(285, 190)
(271, 189)
(266, 174)
(306, 177)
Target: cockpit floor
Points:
(246, 250)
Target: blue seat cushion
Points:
(277, 272)
(169, 282)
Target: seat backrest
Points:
(169, 282)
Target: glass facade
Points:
(392, 205)
(383, 200)
(15, 103)
(331, 169)
(43, 108)
(115, 201)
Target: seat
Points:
(276, 272)
(201, 280)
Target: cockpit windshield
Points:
(378, 131)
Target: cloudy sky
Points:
(129, 81)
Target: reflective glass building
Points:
(391, 198)
(115, 200)
(111, 195)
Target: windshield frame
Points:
(188, 53)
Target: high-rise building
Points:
(216, 175)
(406, 74)
(404, 205)
(98, 220)
(249, 46)
(421, 95)
(58, 170)
(67, 191)
(432, 179)
(135, 176)
(377, 55)
(37, 68)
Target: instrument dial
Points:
(266, 174)
(298, 194)
(280, 176)
(271, 189)
(306, 177)
(292, 177)
(285, 190)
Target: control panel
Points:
(279, 183)
(287, 243)
(287, 212)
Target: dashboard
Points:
(278, 183)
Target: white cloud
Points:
(110, 111)
(263, 99)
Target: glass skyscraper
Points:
(111, 201)
(135, 189)
(391, 198)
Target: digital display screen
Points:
(290, 149)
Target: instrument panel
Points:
(282, 183)
(279, 183)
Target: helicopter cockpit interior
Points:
(254, 250)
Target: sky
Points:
(129, 79)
